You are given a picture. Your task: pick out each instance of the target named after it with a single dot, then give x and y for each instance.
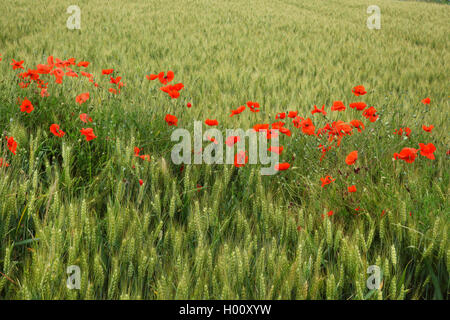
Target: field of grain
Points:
(140, 229)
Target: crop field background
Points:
(218, 231)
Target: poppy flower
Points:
(112, 90)
(282, 166)
(407, 154)
(12, 144)
(330, 213)
(143, 157)
(358, 105)
(383, 213)
(165, 79)
(26, 106)
(85, 118)
(71, 73)
(115, 80)
(285, 131)
(370, 114)
(276, 150)
(261, 127)
(141, 182)
(44, 93)
(317, 110)
(351, 157)
(253, 106)
(211, 122)
(151, 76)
(173, 90)
(189, 105)
(171, 120)
(358, 125)
(213, 140)
(88, 133)
(427, 129)
(240, 159)
(232, 140)
(427, 150)
(0, 57)
(426, 101)
(327, 180)
(292, 114)
(17, 64)
(351, 189)
(43, 69)
(277, 125)
(307, 127)
(338, 106)
(54, 128)
(83, 64)
(280, 115)
(405, 130)
(359, 90)
(3, 163)
(107, 71)
(82, 98)
(237, 111)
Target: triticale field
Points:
(93, 206)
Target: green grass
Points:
(68, 202)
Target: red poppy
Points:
(240, 159)
(189, 105)
(370, 114)
(171, 120)
(276, 150)
(143, 157)
(211, 122)
(327, 180)
(338, 106)
(292, 114)
(317, 110)
(213, 140)
(173, 90)
(85, 118)
(17, 64)
(351, 157)
(141, 182)
(330, 213)
(3, 163)
(88, 133)
(407, 154)
(261, 127)
(237, 111)
(277, 125)
(107, 71)
(54, 128)
(308, 127)
(165, 79)
(351, 189)
(282, 166)
(358, 105)
(152, 76)
(254, 106)
(359, 90)
(26, 106)
(43, 69)
(427, 150)
(112, 90)
(82, 98)
(83, 64)
(426, 101)
(281, 115)
(427, 129)
(231, 140)
(115, 80)
(12, 144)
(358, 125)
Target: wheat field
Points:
(141, 229)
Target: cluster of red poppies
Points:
(329, 136)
